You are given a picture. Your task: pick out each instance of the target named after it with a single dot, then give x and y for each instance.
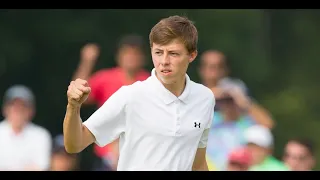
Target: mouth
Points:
(166, 72)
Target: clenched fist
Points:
(78, 92)
(90, 52)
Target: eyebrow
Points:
(157, 49)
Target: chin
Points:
(166, 80)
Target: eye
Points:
(158, 53)
(174, 54)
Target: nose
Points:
(165, 60)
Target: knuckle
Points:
(76, 96)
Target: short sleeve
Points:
(108, 122)
(205, 134)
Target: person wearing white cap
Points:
(260, 142)
(24, 145)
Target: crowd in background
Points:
(241, 136)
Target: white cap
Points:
(19, 92)
(260, 136)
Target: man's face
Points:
(130, 58)
(18, 112)
(227, 105)
(297, 157)
(63, 162)
(237, 166)
(212, 67)
(258, 153)
(171, 61)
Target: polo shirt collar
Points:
(165, 94)
(9, 130)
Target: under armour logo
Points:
(195, 124)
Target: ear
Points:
(5, 110)
(193, 56)
(32, 112)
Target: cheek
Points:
(180, 62)
(155, 61)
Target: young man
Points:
(163, 122)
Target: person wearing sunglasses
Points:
(299, 155)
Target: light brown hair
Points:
(175, 27)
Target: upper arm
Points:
(108, 122)
(43, 152)
(87, 137)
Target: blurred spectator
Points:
(260, 143)
(24, 145)
(213, 68)
(239, 160)
(235, 112)
(61, 160)
(130, 60)
(299, 155)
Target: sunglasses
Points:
(225, 100)
(295, 157)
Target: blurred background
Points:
(274, 52)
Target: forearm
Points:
(72, 130)
(260, 115)
(84, 70)
(203, 167)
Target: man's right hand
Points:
(78, 92)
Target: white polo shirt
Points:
(28, 149)
(158, 131)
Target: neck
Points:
(17, 129)
(177, 87)
(130, 75)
